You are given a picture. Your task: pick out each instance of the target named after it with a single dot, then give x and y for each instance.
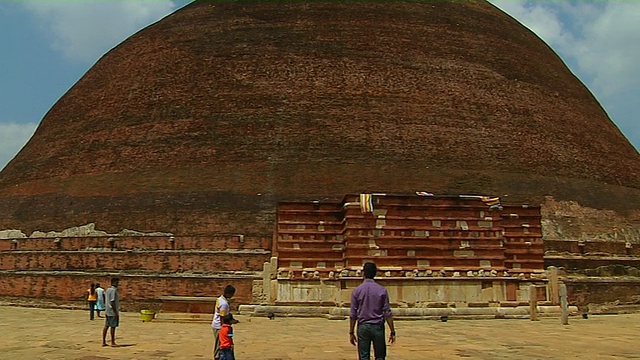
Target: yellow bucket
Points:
(147, 315)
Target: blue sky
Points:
(47, 45)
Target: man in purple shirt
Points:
(370, 308)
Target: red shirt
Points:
(226, 336)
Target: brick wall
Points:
(585, 256)
(68, 286)
(591, 247)
(602, 291)
(584, 264)
(149, 266)
(155, 261)
(408, 233)
(215, 242)
(331, 112)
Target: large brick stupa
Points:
(202, 122)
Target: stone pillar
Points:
(553, 285)
(533, 303)
(266, 280)
(564, 305)
(270, 274)
(273, 292)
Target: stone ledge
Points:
(140, 274)
(187, 298)
(336, 313)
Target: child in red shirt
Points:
(226, 338)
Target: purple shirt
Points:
(370, 303)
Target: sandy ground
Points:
(29, 333)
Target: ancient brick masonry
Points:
(200, 124)
(455, 241)
(406, 234)
(60, 269)
(430, 250)
(459, 245)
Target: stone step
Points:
(340, 313)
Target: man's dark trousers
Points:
(368, 333)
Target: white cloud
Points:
(13, 136)
(600, 38)
(85, 30)
(608, 49)
(539, 18)
(599, 42)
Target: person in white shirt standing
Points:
(112, 313)
(99, 299)
(221, 309)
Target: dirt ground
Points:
(30, 333)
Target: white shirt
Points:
(221, 309)
(99, 294)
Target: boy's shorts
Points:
(112, 321)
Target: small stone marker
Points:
(533, 303)
(564, 304)
(552, 275)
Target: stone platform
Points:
(516, 311)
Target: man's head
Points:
(115, 281)
(370, 270)
(229, 291)
(227, 319)
(97, 285)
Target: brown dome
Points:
(201, 122)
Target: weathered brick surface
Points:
(156, 261)
(215, 242)
(585, 264)
(596, 248)
(406, 232)
(141, 287)
(602, 291)
(202, 122)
